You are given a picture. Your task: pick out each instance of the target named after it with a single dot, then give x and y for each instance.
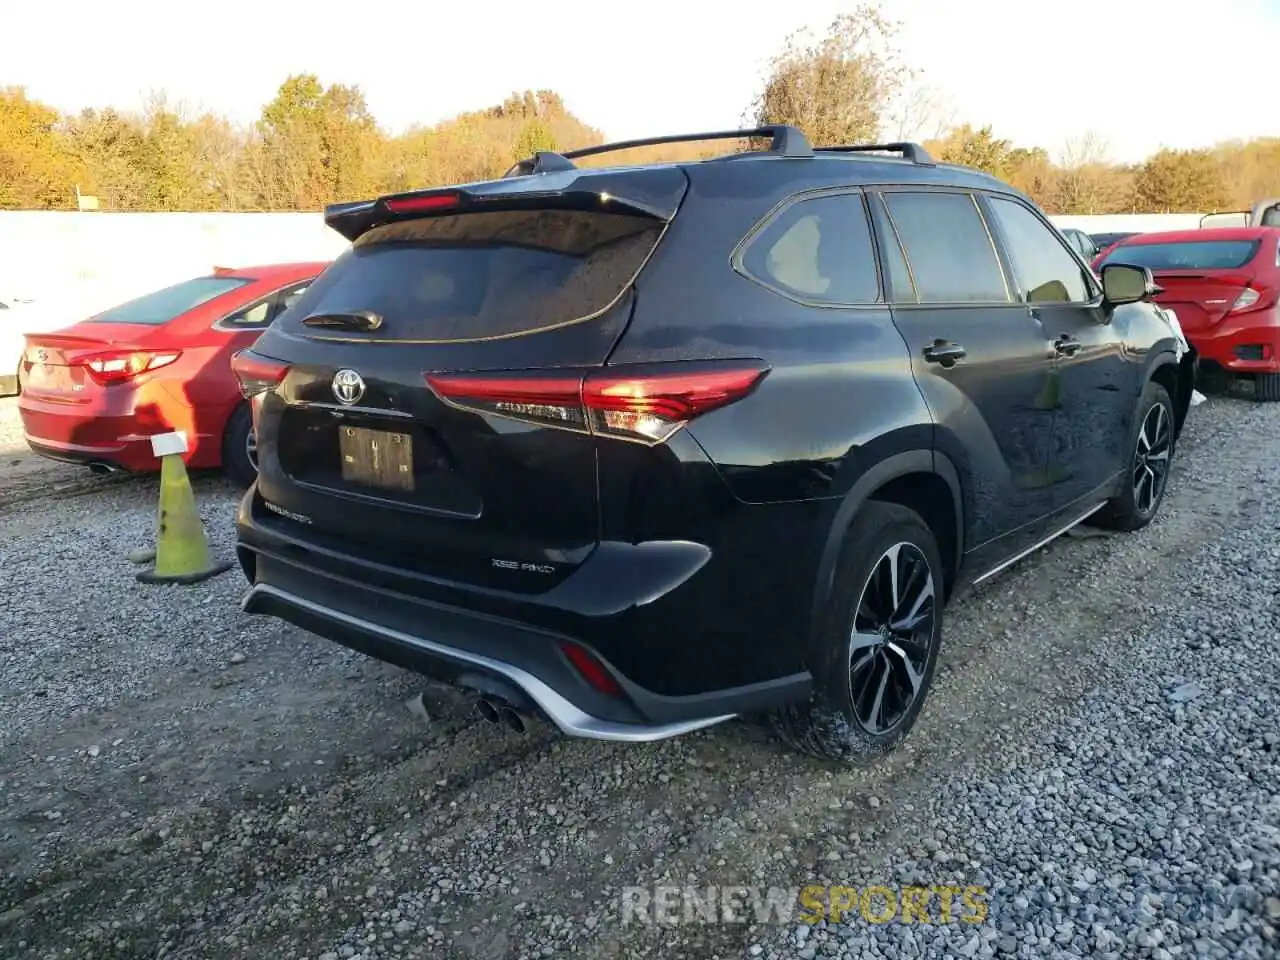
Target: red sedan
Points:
(95, 392)
(1224, 286)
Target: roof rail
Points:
(911, 151)
(786, 141)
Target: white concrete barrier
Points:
(86, 262)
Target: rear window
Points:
(1186, 255)
(171, 302)
(485, 275)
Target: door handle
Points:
(1067, 345)
(944, 352)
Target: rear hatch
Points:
(421, 403)
(1202, 280)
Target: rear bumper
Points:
(457, 664)
(1246, 344)
(346, 600)
(73, 434)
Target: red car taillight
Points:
(1248, 297)
(257, 374)
(117, 366)
(646, 406)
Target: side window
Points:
(288, 298)
(1045, 272)
(948, 248)
(901, 289)
(817, 249)
(254, 315)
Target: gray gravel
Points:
(178, 779)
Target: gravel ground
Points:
(178, 779)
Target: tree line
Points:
(315, 144)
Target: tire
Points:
(1135, 507)
(832, 725)
(237, 462)
(1266, 387)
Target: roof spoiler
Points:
(653, 193)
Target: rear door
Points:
(430, 417)
(982, 361)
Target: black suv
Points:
(640, 449)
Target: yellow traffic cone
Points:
(182, 551)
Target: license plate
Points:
(376, 458)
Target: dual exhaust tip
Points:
(500, 713)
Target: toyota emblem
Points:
(348, 386)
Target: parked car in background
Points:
(96, 391)
(18, 317)
(1265, 213)
(1082, 243)
(1223, 284)
(1103, 240)
(640, 449)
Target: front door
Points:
(1096, 385)
(982, 361)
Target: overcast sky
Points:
(1139, 73)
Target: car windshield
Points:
(1186, 254)
(164, 305)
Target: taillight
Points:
(257, 374)
(645, 405)
(118, 366)
(1248, 297)
(592, 670)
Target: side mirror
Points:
(1123, 283)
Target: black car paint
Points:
(694, 568)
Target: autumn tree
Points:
(314, 145)
(1181, 181)
(837, 88)
(36, 170)
(980, 149)
(1087, 182)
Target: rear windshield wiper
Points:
(365, 320)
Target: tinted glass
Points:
(1186, 254)
(484, 274)
(817, 249)
(947, 245)
(901, 289)
(255, 315)
(1044, 270)
(164, 305)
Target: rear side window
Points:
(818, 250)
(1045, 271)
(947, 247)
(482, 275)
(1186, 255)
(171, 302)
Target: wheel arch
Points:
(1178, 379)
(921, 480)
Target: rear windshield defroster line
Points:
(483, 276)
